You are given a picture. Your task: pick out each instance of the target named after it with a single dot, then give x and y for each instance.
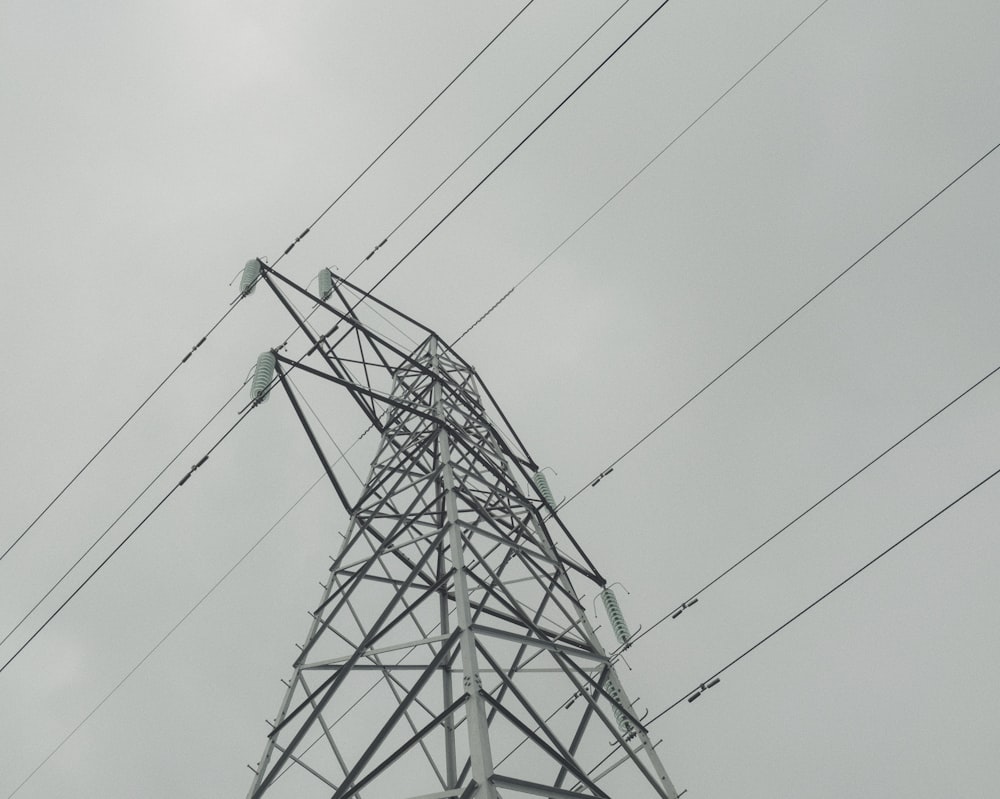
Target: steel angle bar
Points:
(593, 574)
(508, 559)
(377, 659)
(381, 626)
(487, 493)
(538, 653)
(388, 542)
(403, 522)
(470, 789)
(472, 457)
(517, 664)
(385, 305)
(472, 448)
(367, 667)
(327, 733)
(555, 754)
(581, 728)
(620, 761)
(554, 589)
(609, 724)
(397, 529)
(265, 273)
(510, 541)
(540, 670)
(406, 357)
(496, 585)
(394, 685)
(485, 610)
(442, 575)
(530, 463)
(406, 480)
(392, 547)
(531, 561)
(351, 783)
(403, 515)
(404, 457)
(598, 690)
(358, 329)
(299, 762)
(491, 594)
(501, 781)
(329, 686)
(374, 578)
(355, 387)
(566, 756)
(515, 581)
(366, 642)
(501, 540)
(527, 640)
(532, 624)
(312, 440)
(357, 361)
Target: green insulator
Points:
(615, 615)
(623, 723)
(325, 284)
(250, 274)
(262, 376)
(538, 478)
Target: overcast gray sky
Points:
(151, 148)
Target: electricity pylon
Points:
(451, 656)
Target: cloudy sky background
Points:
(150, 149)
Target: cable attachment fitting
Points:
(298, 238)
(191, 471)
(200, 342)
(601, 476)
(685, 606)
(377, 248)
(704, 687)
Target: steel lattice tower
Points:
(451, 656)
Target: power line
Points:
(690, 600)
(778, 327)
(125, 540)
(634, 177)
(693, 598)
(117, 519)
(399, 135)
(186, 616)
(714, 679)
(163, 640)
(462, 163)
(483, 143)
(689, 696)
(121, 427)
(364, 295)
(286, 251)
(517, 147)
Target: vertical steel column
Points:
(479, 734)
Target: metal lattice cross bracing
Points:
(451, 655)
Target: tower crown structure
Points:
(451, 656)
